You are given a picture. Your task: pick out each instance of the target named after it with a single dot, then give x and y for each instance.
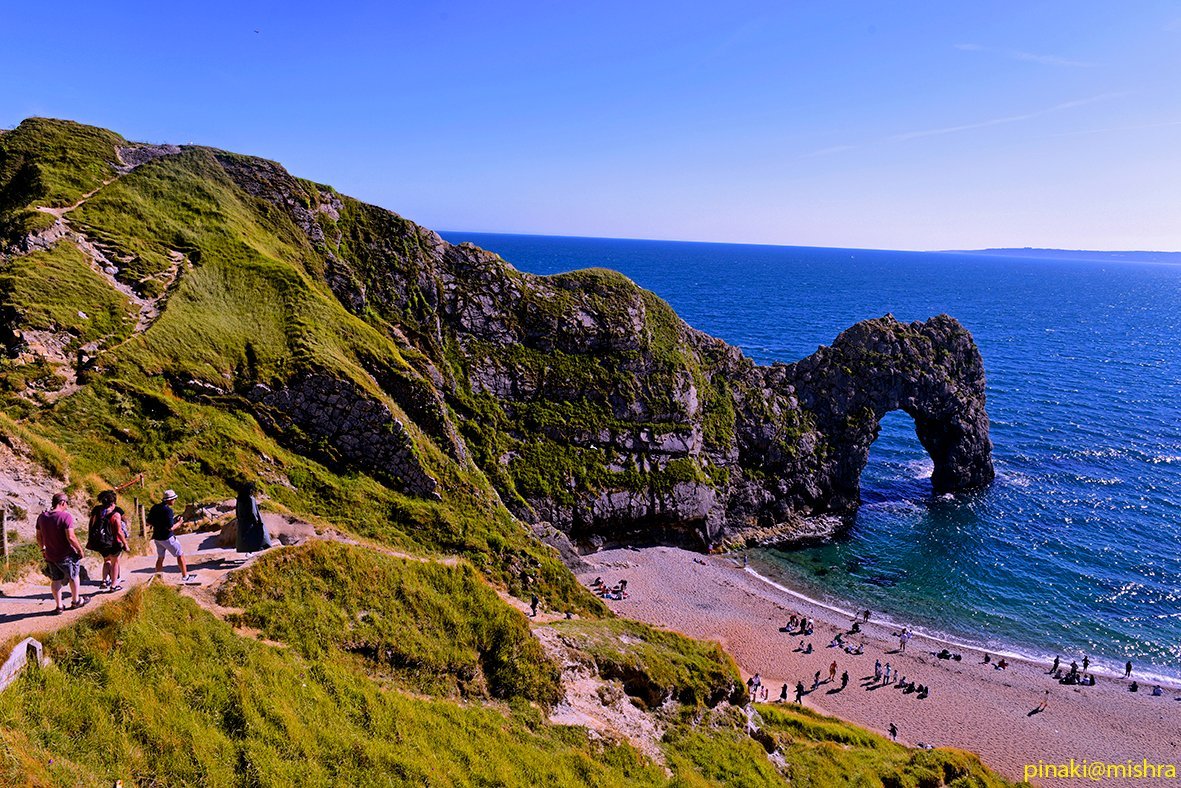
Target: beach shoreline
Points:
(972, 705)
(1100, 667)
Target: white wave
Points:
(1015, 478)
(920, 469)
(896, 507)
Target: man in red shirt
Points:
(62, 551)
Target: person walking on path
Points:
(1128, 670)
(893, 729)
(533, 603)
(105, 536)
(163, 522)
(61, 549)
(252, 531)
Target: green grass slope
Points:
(155, 691)
(439, 628)
(249, 266)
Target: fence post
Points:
(139, 515)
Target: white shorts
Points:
(169, 545)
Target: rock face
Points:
(591, 406)
(932, 371)
(358, 428)
(580, 399)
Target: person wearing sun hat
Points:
(163, 522)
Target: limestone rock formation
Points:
(583, 400)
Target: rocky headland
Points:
(584, 399)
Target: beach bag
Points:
(101, 536)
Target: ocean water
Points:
(1076, 548)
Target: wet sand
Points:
(972, 705)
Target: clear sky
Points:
(870, 124)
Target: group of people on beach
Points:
(604, 591)
(1082, 678)
(887, 675)
(882, 676)
(108, 535)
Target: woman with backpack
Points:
(106, 536)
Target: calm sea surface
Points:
(1076, 548)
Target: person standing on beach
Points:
(783, 694)
(1045, 701)
(1128, 670)
(61, 549)
(1057, 662)
(816, 680)
(1086, 662)
(877, 670)
(832, 671)
(844, 679)
(893, 729)
(800, 692)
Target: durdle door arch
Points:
(932, 371)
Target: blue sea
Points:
(1076, 548)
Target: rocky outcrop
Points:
(587, 404)
(592, 407)
(347, 425)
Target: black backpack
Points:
(101, 535)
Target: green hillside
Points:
(204, 318)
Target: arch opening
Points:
(898, 466)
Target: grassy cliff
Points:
(171, 311)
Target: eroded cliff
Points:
(361, 339)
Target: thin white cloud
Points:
(828, 151)
(1108, 129)
(1028, 57)
(1065, 105)
(910, 135)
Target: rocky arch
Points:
(930, 370)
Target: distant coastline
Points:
(1028, 252)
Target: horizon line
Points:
(986, 249)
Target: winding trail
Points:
(27, 607)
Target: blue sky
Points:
(890, 125)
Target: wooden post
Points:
(4, 529)
(139, 515)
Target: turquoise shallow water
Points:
(1077, 546)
